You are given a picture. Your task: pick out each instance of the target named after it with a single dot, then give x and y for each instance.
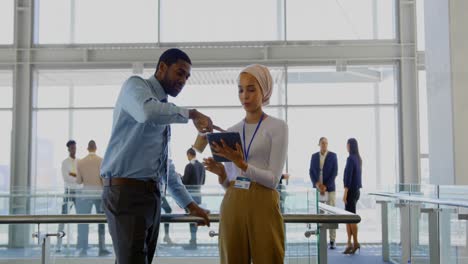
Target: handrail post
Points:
(439, 234)
(464, 216)
(405, 231)
(444, 234)
(323, 248)
(384, 220)
(323, 257)
(433, 226)
(44, 241)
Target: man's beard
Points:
(168, 86)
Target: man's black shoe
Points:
(332, 245)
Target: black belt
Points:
(151, 184)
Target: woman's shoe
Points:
(355, 248)
(348, 250)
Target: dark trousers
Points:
(69, 196)
(167, 209)
(133, 215)
(84, 206)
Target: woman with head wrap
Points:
(251, 225)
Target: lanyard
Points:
(247, 150)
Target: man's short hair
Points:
(70, 143)
(171, 56)
(191, 152)
(92, 144)
(322, 138)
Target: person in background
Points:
(88, 175)
(322, 172)
(167, 209)
(69, 179)
(352, 183)
(194, 177)
(251, 226)
(136, 167)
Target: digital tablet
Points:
(230, 138)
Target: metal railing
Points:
(330, 220)
(414, 205)
(418, 199)
(171, 218)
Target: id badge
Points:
(242, 183)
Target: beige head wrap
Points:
(263, 76)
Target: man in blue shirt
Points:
(136, 167)
(323, 171)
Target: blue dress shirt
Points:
(138, 147)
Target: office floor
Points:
(370, 254)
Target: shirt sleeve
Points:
(270, 177)
(334, 170)
(312, 173)
(231, 173)
(138, 101)
(348, 173)
(79, 177)
(65, 174)
(177, 188)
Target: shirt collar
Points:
(193, 160)
(157, 88)
(92, 153)
(326, 152)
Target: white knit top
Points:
(267, 153)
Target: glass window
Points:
(69, 89)
(52, 96)
(420, 24)
(69, 21)
(6, 103)
(91, 125)
(6, 21)
(340, 19)
(213, 20)
(423, 129)
(79, 88)
(386, 144)
(6, 89)
(54, 128)
(356, 85)
(339, 124)
(5, 150)
(311, 91)
(218, 87)
(49, 147)
(425, 171)
(53, 22)
(423, 114)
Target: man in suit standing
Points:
(88, 175)
(194, 177)
(323, 171)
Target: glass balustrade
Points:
(16, 241)
(425, 223)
